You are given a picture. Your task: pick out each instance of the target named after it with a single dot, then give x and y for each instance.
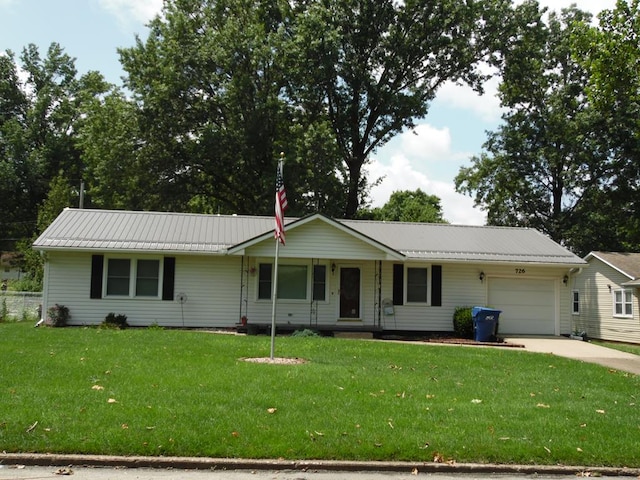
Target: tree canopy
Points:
(408, 206)
(554, 163)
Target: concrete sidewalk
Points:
(578, 350)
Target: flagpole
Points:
(275, 299)
(281, 206)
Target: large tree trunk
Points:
(353, 196)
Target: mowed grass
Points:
(189, 393)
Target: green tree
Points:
(59, 197)
(109, 139)
(610, 52)
(38, 126)
(373, 67)
(213, 117)
(544, 165)
(408, 206)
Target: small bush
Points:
(305, 333)
(463, 322)
(113, 320)
(4, 311)
(57, 316)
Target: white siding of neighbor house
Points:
(596, 304)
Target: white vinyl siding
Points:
(211, 284)
(597, 284)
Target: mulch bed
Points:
(470, 341)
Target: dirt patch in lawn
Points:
(275, 360)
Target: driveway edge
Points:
(204, 463)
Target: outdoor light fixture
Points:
(333, 268)
(481, 277)
(565, 279)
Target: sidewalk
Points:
(578, 350)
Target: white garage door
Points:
(528, 305)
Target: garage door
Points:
(528, 305)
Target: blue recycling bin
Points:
(485, 323)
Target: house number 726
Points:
(520, 271)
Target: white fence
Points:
(20, 305)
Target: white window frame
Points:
(626, 297)
(133, 276)
(406, 283)
(309, 280)
(575, 302)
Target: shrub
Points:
(113, 320)
(305, 333)
(463, 322)
(57, 316)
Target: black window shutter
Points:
(97, 265)
(436, 285)
(169, 276)
(398, 283)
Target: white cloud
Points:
(486, 107)
(401, 175)
(127, 11)
(426, 142)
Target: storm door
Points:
(349, 292)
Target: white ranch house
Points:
(215, 271)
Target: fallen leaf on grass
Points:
(548, 451)
(112, 400)
(272, 410)
(97, 387)
(414, 471)
(600, 411)
(32, 427)
(476, 400)
(125, 426)
(543, 405)
(235, 434)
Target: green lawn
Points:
(169, 392)
(623, 347)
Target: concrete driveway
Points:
(578, 350)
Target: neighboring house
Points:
(9, 266)
(211, 271)
(606, 297)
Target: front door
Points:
(349, 292)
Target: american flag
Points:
(281, 204)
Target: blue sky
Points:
(428, 157)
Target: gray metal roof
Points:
(195, 233)
(149, 231)
(466, 242)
